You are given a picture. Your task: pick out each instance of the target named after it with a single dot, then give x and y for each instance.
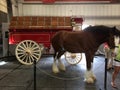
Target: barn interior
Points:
(26, 21)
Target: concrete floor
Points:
(15, 76)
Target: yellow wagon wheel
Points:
(73, 58)
(27, 51)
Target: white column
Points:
(20, 9)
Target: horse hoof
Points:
(55, 68)
(94, 78)
(62, 67)
(55, 71)
(89, 80)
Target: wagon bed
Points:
(37, 28)
(29, 32)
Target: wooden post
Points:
(105, 76)
(35, 75)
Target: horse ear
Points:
(114, 29)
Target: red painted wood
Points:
(32, 0)
(38, 29)
(52, 1)
(39, 37)
(78, 20)
(68, 0)
(48, 1)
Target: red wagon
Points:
(32, 35)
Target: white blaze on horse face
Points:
(116, 41)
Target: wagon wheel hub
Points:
(28, 52)
(73, 56)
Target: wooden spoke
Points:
(73, 58)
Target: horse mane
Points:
(100, 29)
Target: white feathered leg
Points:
(89, 77)
(55, 68)
(92, 74)
(61, 65)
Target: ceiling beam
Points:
(73, 1)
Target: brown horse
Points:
(86, 41)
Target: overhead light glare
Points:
(2, 63)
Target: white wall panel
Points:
(3, 6)
(93, 11)
(102, 21)
(86, 10)
(14, 10)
